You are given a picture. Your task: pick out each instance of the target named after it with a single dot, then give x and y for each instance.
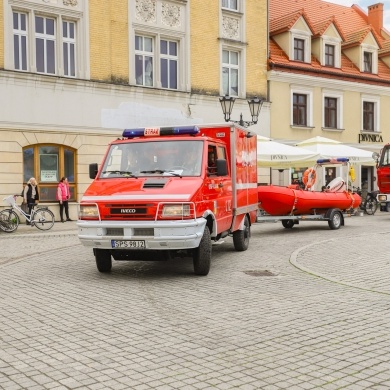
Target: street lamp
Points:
(227, 103)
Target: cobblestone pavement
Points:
(303, 308)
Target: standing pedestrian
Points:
(63, 196)
(31, 195)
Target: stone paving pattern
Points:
(322, 320)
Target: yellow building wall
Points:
(1, 34)
(205, 53)
(352, 119)
(257, 39)
(109, 40)
(205, 47)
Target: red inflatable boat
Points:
(278, 200)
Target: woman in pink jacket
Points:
(63, 196)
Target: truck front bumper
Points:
(158, 235)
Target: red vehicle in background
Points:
(171, 192)
(383, 177)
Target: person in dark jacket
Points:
(31, 194)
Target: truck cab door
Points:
(220, 187)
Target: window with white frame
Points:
(301, 107)
(168, 63)
(144, 60)
(157, 61)
(332, 110)
(20, 33)
(45, 44)
(299, 49)
(50, 50)
(300, 46)
(69, 48)
(370, 113)
(369, 60)
(330, 53)
(230, 72)
(230, 4)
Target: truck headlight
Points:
(382, 198)
(176, 210)
(89, 211)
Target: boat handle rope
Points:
(295, 202)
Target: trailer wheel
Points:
(202, 254)
(241, 237)
(103, 260)
(288, 223)
(335, 220)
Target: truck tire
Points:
(241, 237)
(202, 254)
(103, 260)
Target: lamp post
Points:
(227, 103)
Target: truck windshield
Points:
(385, 157)
(151, 158)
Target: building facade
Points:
(75, 73)
(329, 76)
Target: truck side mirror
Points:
(93, 170)
(375, 156)
(221, 167)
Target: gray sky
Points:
(364, 4)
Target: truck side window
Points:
(211, 160)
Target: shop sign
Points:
(370, 138)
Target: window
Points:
(20, 40)
(367, 59)
(329, 55)
(48, 163)
(299, 109)
(45, 41)
(47, 44)
(368, 116)
(230, 4)
(299, 49)
(69, 43)
(230, 70)
(169, 64)
(330, 119)
(144, 60)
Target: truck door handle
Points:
(220, 185)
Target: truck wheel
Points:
(241, 237)
(335, 220)
(288, 223)
(202, 254)
(103, 260)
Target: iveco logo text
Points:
(128, 211)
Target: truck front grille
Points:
(130, 212)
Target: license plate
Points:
(130, 244)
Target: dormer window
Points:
(367, 59)
(299, 49)
(330, 52)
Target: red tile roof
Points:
(352, 25)
(286, 22)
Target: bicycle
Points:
(369, 204)
(41, 217)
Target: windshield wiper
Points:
(173, 173)
(123, 173)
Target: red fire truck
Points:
(383, 173)
(171, 192)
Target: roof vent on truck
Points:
(159, 131)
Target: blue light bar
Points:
(332, 160)
(159, 131)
